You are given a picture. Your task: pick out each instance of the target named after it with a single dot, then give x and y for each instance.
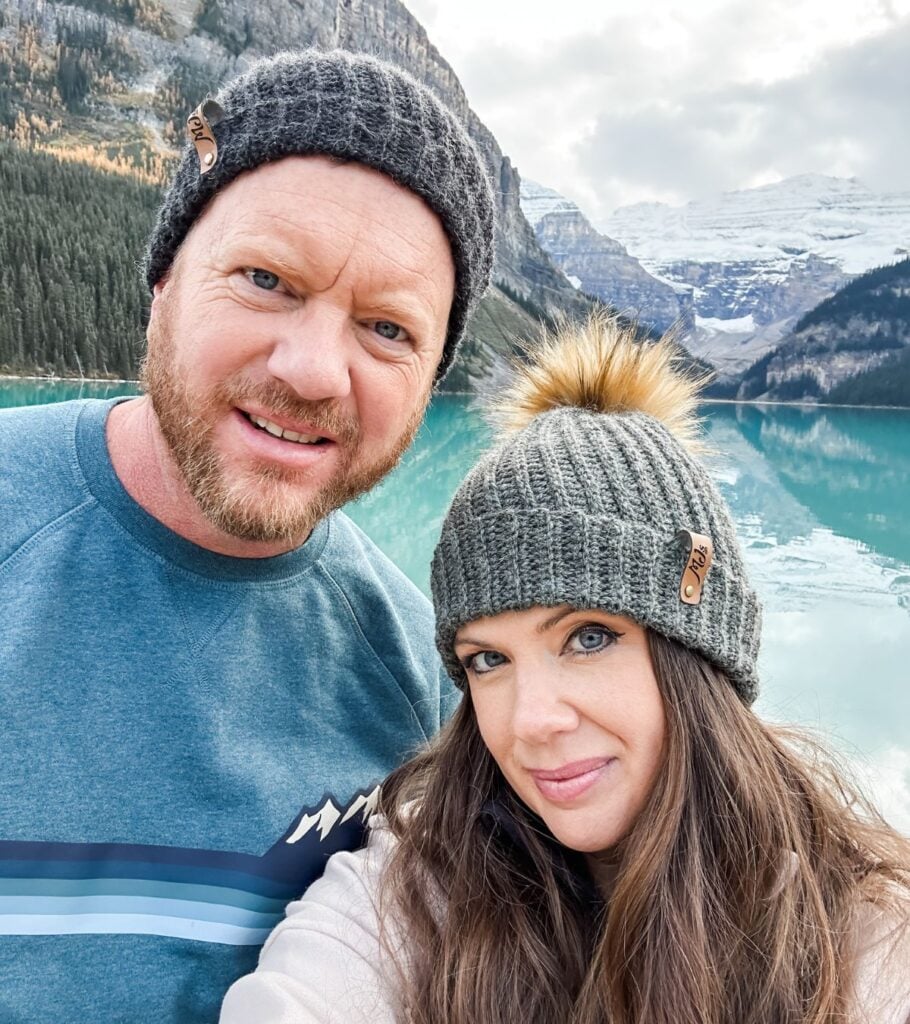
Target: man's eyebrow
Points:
(274, 254)
(408, 305)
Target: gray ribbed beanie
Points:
(584, 503)
(355, 107)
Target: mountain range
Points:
(853, 348)
(112, 81)
(737, 272)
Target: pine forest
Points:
(72, 297)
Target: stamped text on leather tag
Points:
(700, 553)
(199, 128)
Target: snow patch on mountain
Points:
(736, 325)
(838, 219)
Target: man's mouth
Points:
(270, 427)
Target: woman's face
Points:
(568, 705)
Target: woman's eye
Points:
(484, 661)
(591, 639)
(264, 279)
(391, 332)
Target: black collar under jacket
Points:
(570, 867)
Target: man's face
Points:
(293, 346)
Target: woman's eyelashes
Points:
(481, 662)
(591, 638)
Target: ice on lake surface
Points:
(820, 498)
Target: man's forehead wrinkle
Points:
(403, 291)
(279, 241)
(341, 229)
(324, 207)
(219, 234)
(391, 273)
(421, 239)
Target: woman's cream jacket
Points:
(324, 964)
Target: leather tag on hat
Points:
(699, 550)
(199, 129)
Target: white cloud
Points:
(670, 101)
(845, 116)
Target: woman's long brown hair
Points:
(734, 898)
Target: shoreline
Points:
(473, 394)
(799, 405)
(68, 380)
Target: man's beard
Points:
(268, 503)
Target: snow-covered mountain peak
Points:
(840, 220)
(739, 267)
(810, 183)
(538, 200)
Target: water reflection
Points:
(404, 514)
(820, 499)
(849, 467)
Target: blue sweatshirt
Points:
(185, 736)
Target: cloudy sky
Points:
(614, 103)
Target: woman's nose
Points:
(541, 708)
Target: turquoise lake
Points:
(821, 500)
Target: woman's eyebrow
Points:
(468, 640)
(541, 627)
(554, 620)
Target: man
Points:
(204, 671)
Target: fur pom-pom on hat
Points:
(594, 497)
(604, 365)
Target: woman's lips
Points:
(569, 781)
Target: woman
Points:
(604, 832)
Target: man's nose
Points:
(312, 353)
(541, 708)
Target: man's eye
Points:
(391, 332)
(264, 279)
(484, 661)
(591, 639)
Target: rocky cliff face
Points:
(599, 265)
(863, 329)
(731, 290)
(126, 72)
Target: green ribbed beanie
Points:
(582, 503)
